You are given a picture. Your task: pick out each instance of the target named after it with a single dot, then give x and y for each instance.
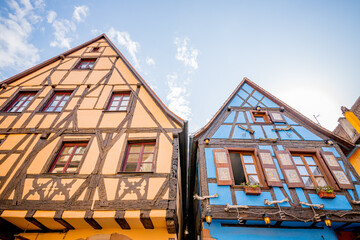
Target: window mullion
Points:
(309, 170)
(69, 160)
(140, 157)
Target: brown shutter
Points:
(336, 170)
(289, 169)
(269, 168)
(223, 169)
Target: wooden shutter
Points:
(223, 169)
(277, 117)
(289, 169)
(269, 168)
(336, 170)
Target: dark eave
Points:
(345, 143)
(176, 118)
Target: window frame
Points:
(59, 154)
(77, 66)
(258, 166)
(16, 98)
(127, 152)
(320, 164)
(263, 114)
(51, 99)
(122, 94)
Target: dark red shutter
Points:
(289, 169)
(223, 169)
(269, 168)
(336, 170)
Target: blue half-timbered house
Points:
(262, 170)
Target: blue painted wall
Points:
(224, 194)
(249, 233)
(338, 203)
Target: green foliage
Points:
(252, 185)
(324, 189)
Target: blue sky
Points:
(194, 53)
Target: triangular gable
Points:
(75, 50)
(245, 98)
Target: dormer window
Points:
(86, 64)
(260, 117)
(95, 50)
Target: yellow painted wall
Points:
(355, 160)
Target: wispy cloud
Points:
(178, 91)
(16, 51)
(186, 54)
(80, 13)
(124, 39)
(64, 29)
(150, 61)
(177, 96)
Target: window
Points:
(139, 157)
(57, 102)
(21, 101)
(260, 117)
(118, 102)
(69, 158)
(86, 64)
(308, 170)
(235, 166)
(95, 49)
(244, 168)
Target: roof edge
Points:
(302, 117)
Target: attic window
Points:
(260, 117)
(86, 64)
(95, 49)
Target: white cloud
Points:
(15, 31)
(80, 13)
(51, 16)
(185, 54)
(64, 29)
(150, 61)
(176, 97)
(123, 38)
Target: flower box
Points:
(252, 190)
(328, 195)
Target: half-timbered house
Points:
(88, 151)
(349, 128)
(264, 171)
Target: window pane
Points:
(298, 160)
(50, 109)
(253, 179)
(76, 158)
(63, 159)
(122, 108)
(130, 167)
(250, 168)
(71, 170)
(310, 160)
(80, 150)
(112, 109)
(116, 98)
(58, 109)
(321, 181)
(302, 170)
(126, 97)
(135, 148)
(21, 109)
(149, 148)
(133, 158)
(147, 158)
(315, 170)
(307, 181)
(124, 103)
(68, 150)
(54, 103)
(58, 170)
(146, 167)
(248, 159)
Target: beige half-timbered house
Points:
(88, 151)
